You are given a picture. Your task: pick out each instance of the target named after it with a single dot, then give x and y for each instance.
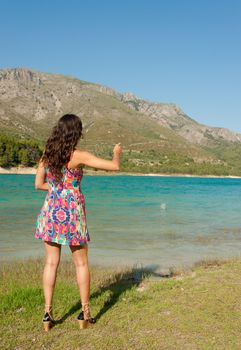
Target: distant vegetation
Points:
(14, 152)
(170, 163)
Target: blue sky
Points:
(186, 52)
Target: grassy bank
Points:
(194, 309)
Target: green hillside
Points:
(156, 138)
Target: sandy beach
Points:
(32, 171)
(18, 170)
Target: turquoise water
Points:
(143, 220)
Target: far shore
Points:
(32, 171)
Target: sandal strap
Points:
(49, 307)
(85, 305)
(86, 309)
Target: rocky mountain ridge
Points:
(24, 83)
(32, 101)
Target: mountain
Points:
(156, 137)
(171, 116)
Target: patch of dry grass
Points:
(198, 308)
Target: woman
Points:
(62, 218)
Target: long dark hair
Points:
(61, 143)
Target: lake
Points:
(149, 221)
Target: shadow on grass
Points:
(72, 310)
(118, 285)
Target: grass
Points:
(196, 308)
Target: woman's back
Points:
(71, 179)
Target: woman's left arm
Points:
(40, 183)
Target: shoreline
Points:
(206, 262)
(32, 171)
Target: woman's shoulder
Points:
(78, 151)
(80, 154)
(77, 158)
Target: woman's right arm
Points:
(89, 159)
(40, 183)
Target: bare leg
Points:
(80, 258)
(52, 254)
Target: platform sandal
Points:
(48, 321)
(84, 317)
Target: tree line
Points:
(14, 152)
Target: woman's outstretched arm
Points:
(89, 159)
(40, 183)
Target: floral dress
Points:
(62, 218)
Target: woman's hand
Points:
(117, 149)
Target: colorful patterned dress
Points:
(62, 218)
